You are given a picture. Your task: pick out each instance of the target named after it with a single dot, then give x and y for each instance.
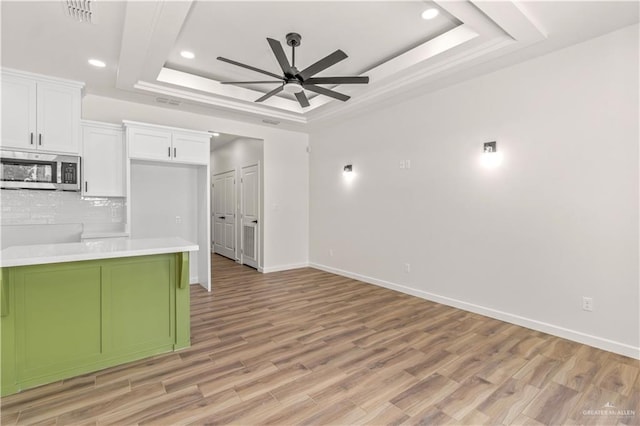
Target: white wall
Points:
(160, 193)
(239, 153)
(524, 242)
(286, 172)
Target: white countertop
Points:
(90, 250)
(104, 234)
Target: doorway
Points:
(236, 198)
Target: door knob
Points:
(254, 221)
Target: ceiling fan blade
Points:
(302, 99)
(250, 82)
(326, 92)
(270, 94)
(249, 67)
(323, 64)
(278, 51)
(337, 80)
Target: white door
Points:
(224, 223)
(58, 118)
(149, 144)
(250, 182)
(18, 113)
(103, 161)
(191, 149)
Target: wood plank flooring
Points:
(308, 347)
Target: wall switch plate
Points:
(402, 164)
(407, 268)
(587, 304)
(331, 252)
(178, 219)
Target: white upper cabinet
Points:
(18, 112)
(190, 148)
(103, 160)
(161, 143)
(149, 144)
(40, 113)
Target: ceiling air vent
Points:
(80, 10)
(168, 101)
(274, 122)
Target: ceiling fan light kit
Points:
(294, 81)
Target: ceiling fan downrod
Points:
(293, 40)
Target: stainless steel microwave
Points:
(34, 170)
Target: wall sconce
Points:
(490, 147)
(491, 158)
(348, 174)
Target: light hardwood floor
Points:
(308, 347)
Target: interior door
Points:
(250, 189)
(224, 222)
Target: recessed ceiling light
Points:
(430, 13)
(187, 55)
(97, 63)
(215, 134)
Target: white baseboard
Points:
(194, 280)
(577, 336)
(278, 268)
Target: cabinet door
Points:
(58, 324)
(58, 118)
(190, 149)
(102, 161)
(139, 303)
(18, 112)
(148, 144)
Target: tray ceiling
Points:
(402, 54)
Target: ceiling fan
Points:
(294, 81)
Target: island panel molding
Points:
(60, 320)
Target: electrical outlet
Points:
(407, 268)
(178, 219)
(587, 304)
(331, 252)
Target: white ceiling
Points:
(402, 54)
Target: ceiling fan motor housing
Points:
(293, 39)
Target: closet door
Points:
(224, 222)
(250, 213)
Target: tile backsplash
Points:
(27, 207)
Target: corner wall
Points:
(523, 242)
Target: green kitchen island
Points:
(73, 308)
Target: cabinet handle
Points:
(86, 186)
(175, 152)
(169, 152)
(40, 139)
(31, 140)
